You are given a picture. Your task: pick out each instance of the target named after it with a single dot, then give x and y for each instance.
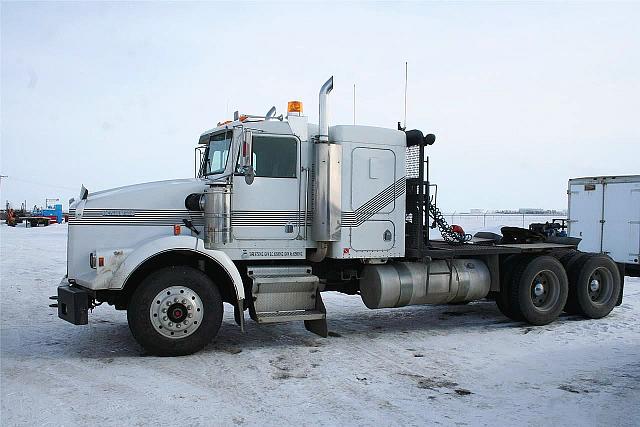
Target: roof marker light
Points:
(294, 107)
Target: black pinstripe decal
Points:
(169, 217)
(374, 205)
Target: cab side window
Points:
(275, 156)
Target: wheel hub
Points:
(600, 285)
(543, 291)
(176, 312)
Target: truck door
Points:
(270, 208)
(373, 175)
(621, 231)
(585, 213)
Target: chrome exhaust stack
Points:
(327, 207)
(323, 124)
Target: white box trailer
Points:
(604, 211)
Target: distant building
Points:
(533, 211)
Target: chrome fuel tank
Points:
(414, 283)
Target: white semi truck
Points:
(282, 210)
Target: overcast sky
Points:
(521, 97)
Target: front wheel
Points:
(175, 311)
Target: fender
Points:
(169, 243)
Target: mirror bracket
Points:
(246, 157)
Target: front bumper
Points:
(73, 304)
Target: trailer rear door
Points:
(585, 214)
(634, 223)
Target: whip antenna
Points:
(354, 103)
(406, 77)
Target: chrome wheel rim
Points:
(600, 285)
(176, 312)
(545, 290)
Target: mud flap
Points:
(621, 269)
(238, 314)
(319, 326)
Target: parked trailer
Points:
(604, 211)
(36, 221)
(282, 210)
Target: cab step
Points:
(286, 294)
(289, 316)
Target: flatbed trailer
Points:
(35, 221)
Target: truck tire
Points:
(175, 311)
(539, 289)
(559, 254)
(568, 258)
(571, 306)
(594, 286)
(503, 297)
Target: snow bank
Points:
(417, 365)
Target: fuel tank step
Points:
(287, 294)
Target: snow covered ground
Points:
(464, 365)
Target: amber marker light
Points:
(294, 107)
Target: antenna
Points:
(406, 77)
(354, 103)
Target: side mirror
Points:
(246, 157)
(249, 175)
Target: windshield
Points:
(216, 154)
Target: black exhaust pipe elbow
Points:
(416, 137)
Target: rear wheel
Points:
(175, 311)
(568, 258)
(539, 288)
(594, 286)
(503, 297)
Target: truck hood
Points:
(168, 194)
